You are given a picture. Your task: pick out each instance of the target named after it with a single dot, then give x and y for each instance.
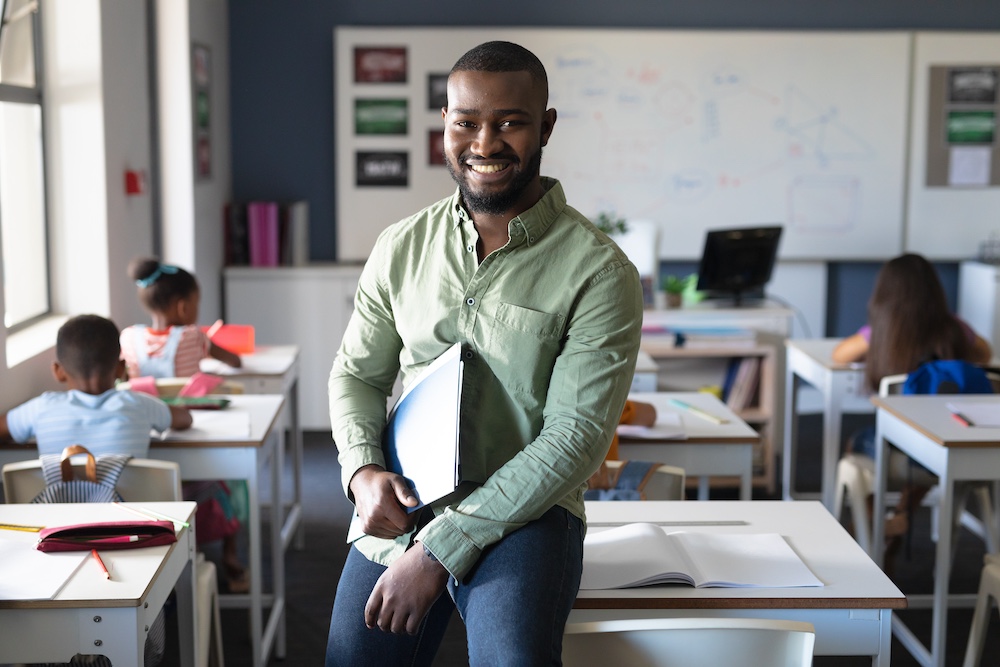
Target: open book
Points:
(421, 435)
(640, 554)
(668, 426)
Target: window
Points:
(23, 228)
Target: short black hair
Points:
(166, 283)
(87, 346)
(499, 56)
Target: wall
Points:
(282, 122)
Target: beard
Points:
(497, 203)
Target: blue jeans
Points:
(514, 603)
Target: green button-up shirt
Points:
(550, 323)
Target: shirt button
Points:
(531, 239)
(469, 248)
(468, 354)
(470, 301)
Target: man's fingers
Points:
(372, 608)
(404, 494)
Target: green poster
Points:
(380, 116)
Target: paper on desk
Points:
(214, 425)
(251, 365)
(29, 574)
(979, 414)
(668, 426)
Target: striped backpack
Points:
(98, 486)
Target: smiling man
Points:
(548, 312)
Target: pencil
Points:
(97, 557)
(697, 411)
(17, 526)
(151, 514)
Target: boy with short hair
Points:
(91, 411)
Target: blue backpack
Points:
(948, 376)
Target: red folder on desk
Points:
(421, 440)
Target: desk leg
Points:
(877, 544)
(297, 463)
(278, 553)
(746, 479)
(187, 611)
(791, 434)
(832, 418)
(942, 568)
(256, 592)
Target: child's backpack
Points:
(102, 473)
(948, 376)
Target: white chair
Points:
(856, 476)
(689, 642)
(666, 482)
(989, 587)
(149, 480)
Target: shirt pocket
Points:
(523, 346)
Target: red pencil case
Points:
(106, 535)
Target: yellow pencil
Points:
(151, 514)
(17, 526)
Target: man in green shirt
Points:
(548, 311)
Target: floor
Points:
(312, 574)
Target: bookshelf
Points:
(686, 369)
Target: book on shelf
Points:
(643, 554)
(695, 337)
(421, 440)
(266, 233)
(745, 383)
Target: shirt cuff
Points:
(451, 546)
(356, 458)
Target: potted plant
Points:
(610, 224)
(675, 287)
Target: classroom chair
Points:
(149, 480)
(689, 642)
(662, 482)
(989, 587)
(855, 478)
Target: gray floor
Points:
(312, 574)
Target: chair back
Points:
(149, 480)
(689, 642)
(661, 482)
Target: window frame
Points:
(33, 96)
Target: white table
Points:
(709, 450)
(219, 454)
(922, 427)
(852, 613)
(94, 615)
(809, 361)
(274, 369)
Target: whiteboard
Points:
(688, 130)
(947, 223)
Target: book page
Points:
(744, 560)
(29, 574)
(635, 554)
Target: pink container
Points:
(237, 338)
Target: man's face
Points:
(495, 127)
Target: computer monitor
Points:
(738, 262)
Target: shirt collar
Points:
(535, 221)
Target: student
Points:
(91, 411)
(174, 345)
(638, 413)
(548, 310)
(908, 324)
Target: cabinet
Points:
(686, 369)
(307, 306)
(979, 299)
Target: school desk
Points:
(235, 443)
(852, 612)
(94, 615)
(923, 428)
(707, 450)
(274, 369)
(809, 361)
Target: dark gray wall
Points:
(281, 73)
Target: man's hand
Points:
(405, 592)
(381, 499)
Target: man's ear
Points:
(548, 122)
(59, 373)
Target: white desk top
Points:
(266, 360)
(930, 415)
(209, 428)
(851, 579)
(132, 570)
(820, 351)
(698, 429)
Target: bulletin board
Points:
(954, 179)
(688, 130)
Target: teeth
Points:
(487, 168)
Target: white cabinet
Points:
(306, 306)
(979, 299)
